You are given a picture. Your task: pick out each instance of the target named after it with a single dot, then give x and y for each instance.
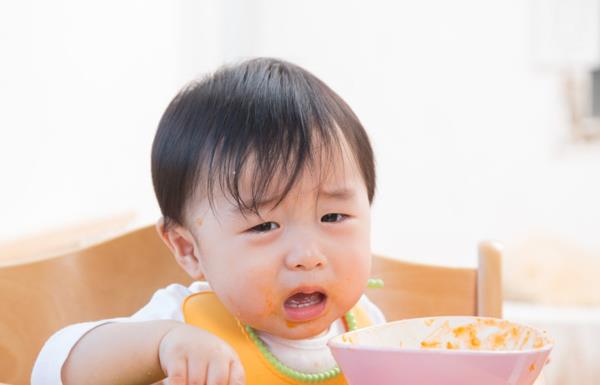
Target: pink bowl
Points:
(452, 350)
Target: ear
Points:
(183, 247)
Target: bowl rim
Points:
(336, 342)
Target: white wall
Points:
(469, 129)
(463, 101)
(82, 87)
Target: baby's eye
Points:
(264, 227)
(333, 217)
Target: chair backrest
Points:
(118, 276)
(419, 290)
(69, 237)
(110, 279)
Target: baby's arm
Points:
(146, 352)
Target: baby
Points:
(264, 177)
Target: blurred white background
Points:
(464, 101)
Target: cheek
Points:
(353, 246)
(352, 264)
(249, 293)
(355, 270)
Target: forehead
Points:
(326, 169)
(331, 174)
(335, 179)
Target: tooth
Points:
(306, 301)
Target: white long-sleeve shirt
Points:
(309, 355)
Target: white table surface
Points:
(575, 359)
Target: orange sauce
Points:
(539, 342)
(430, 344)
(498, 341)
(450, 345)
(467, 336)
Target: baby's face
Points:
(299, 266)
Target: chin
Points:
(296, 334)
(304, 330)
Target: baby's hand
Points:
(189, 355)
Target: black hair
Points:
(273, 111)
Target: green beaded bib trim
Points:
(301, 376)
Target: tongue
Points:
(304, 299)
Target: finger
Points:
(177, 371)
(218, 373)
(197, 371)
(236, 373)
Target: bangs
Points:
(271, 137)
(266, 121)
(268, 167)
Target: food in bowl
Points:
(451, 350)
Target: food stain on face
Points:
(269, 306)
(199, 221)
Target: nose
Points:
(305, 257)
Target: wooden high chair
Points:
(419, 290)
(118, 276)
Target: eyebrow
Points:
(343, 194)
(259, 205)
(339, 194)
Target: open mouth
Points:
(305, 305)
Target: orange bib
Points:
(206, 311)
